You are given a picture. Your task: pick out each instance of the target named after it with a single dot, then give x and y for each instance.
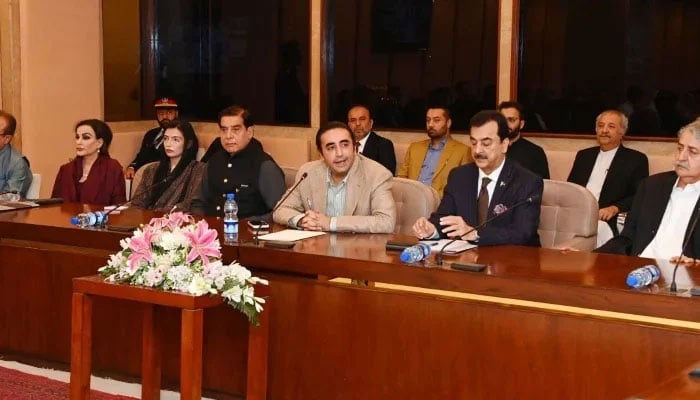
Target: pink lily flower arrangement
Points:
(176, 253)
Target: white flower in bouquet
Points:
(176, 253)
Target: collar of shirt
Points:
(441, 144)
(494, 175)
(5, 155)
(329, 180)
(695, 187)
(361, 143)
(5, 150)
(609, 153)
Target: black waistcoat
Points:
(239, 174)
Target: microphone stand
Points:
(438, 257)
(686, 242)
(256, 234)
(122, 204)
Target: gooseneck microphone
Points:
(686, 242)
(531, 199)
(122, 204)
(279, 204)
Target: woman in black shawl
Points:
(172, 182)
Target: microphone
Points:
(686, 242)
(122, 204)
(279, 204)
(531, 199)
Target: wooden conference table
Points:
(537, 323)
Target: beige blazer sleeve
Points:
(294, 204)
(369, 204)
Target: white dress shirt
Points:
(669, 238)
(491, 187)
(600, 171)
(361, 143)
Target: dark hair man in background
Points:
(526, 153)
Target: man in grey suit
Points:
(342, 192)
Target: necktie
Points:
(483, 200)
(159, 139)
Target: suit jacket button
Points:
(225, 180)
(229, 165)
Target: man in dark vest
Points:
(242, 168)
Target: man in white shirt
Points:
(610, 171)
(664, 208)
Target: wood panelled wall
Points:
(573, 41)
(460, 29)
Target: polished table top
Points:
(578, 279)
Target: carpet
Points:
(16, 385)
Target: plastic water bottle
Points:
(415, 253)
(230, 219)
(84, 220)
(643, 276)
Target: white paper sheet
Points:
(290, 235)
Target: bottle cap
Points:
(405, 256)
(74, 221)
(230, 196)
(632, 280)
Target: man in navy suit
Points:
(486, 188)
(610, 171)
(369, 143)
(664, 208)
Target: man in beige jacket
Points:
(342, 192)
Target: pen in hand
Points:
(309, 203)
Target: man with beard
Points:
(488, 187)
(369, 144)
(431, 160)
(342, 192)
(610, 171)
(152, 144)
(664, 208)
(528, 154)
